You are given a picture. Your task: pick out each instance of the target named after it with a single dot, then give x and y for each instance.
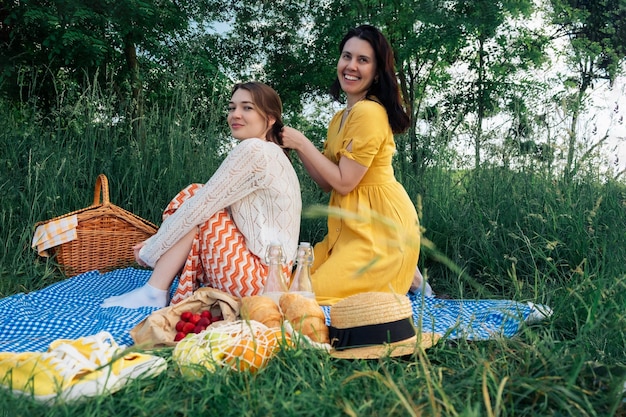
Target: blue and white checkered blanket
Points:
(71, 309)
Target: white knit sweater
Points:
(258, 184)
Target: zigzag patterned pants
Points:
(219, 257)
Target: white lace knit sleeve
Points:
(244, 171)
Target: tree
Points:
(595, 34)
(77, 42)
(43, 38)
(498, 53)
(273, 42)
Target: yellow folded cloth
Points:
(54, 233)
(72, 370)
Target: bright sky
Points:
(610, 116)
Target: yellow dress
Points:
(373, 232)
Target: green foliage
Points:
(137, 47)
(51, 163)
(312, 228)
(512, 231)
(595, 50)
(596, 30)
(463, 66)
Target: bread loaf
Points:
(261, 309)
(305, 315)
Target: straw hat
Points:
(373, 325)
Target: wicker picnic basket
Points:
(106, 235)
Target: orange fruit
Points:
(247, 355)
(276, 339)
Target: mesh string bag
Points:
(238, 345)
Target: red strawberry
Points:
(179, 336)
(186, 315)
(195, 318)
(204, 322)
(206, 314)
(216, 318)
(199, 329)
(180, 325)
(188, 327)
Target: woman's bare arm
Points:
(342, 177)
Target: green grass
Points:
(520, 376)
(491, 234)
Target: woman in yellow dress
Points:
(373, 232)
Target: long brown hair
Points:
(268, 104)
(386, 87)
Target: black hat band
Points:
(373, 334)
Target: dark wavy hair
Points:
(385, 87)
(268, 104)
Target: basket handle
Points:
(102, 183)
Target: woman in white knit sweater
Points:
(216, 234)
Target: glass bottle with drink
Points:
(301, 278)
(276, 284)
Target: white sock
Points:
(145, 296)
(427, 289)
(538, 312)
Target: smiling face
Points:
(245, 118)
(356, 68)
